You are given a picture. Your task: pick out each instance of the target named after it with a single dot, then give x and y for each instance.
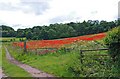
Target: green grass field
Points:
(56, 64)
(67, 64)
(10, 39)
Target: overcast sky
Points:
(29, 13)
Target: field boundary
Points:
(99, 49)
(94, 49)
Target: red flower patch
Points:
(58, 43)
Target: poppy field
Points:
(65, 63)
(58, 43)
(62, 57)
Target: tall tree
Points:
(51, 34)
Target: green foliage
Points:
(20, 33)
(29, 35)
(7, 31)
(57, 31)
(113, 42)
(113, 36)
(93, 64)
(44, 34)
(51, 34)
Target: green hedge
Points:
(113, 43)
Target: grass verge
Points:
(12, 70)
(54, 63)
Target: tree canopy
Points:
(7, 31)
(57, 31)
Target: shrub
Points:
(113, 43)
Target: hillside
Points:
(67, 57)
(58, 31)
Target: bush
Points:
(113, 43)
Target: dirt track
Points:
(33, 71)
(2, 74)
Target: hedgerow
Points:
(113, 43)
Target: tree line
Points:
(57, 31)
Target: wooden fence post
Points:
(25, 49)
(81, 59)
(36, 51)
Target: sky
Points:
(28, 13)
